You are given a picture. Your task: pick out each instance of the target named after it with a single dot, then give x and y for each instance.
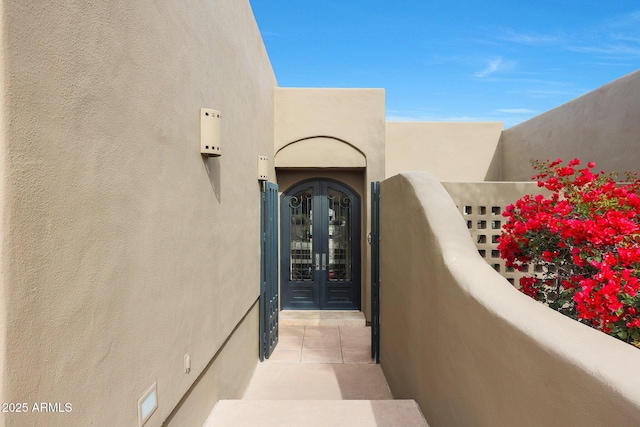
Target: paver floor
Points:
(323, 344)
(320, 362)
(318, 376)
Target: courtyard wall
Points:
(123, 248)
(469, 347)
(449, 151)
(601, 126)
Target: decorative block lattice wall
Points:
(481, 204)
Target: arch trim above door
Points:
(320, 152)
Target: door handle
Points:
(324, 261)
(318, 262)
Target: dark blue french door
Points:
(320, 247)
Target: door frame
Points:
(321, 277)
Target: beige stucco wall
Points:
(482, 205)
(601, 126)
(123, 249)
(313, 123)
(4, 218)
(356, 116)
(449, 151)
(221, 379)
(470, 348)
(320, 152)
(316, 117)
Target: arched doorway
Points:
(320, 246)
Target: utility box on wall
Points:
(210, 132)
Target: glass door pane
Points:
(301, 236)
(320, 262)
(339, 236)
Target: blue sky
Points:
(459, 60)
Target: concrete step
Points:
(321, 318)
(316, 413)
(315, 381)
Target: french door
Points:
(320, 247)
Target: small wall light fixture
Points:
(263, 168)
(210, 132)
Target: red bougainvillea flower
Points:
(584, 237)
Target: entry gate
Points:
(268, 270)
(374, 239)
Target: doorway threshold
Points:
(322, 318)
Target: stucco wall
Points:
(470, 348)
(221, 379)
(312, 121)
(482, 205)
(4, 219)
(124, 249)
(601, 126)
(356, 116)
(449, 151)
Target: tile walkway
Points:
(323, 344)
(320, 362)
(318, 376)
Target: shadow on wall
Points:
(470, 348)
(494, 171)
(213, 165)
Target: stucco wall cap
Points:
(580, 345)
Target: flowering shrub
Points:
(584, 239)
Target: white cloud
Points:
(625, 37)
(530, 39)
(549, 93)
(630, 19)
(507, 120)
(408, 116)
(623, 51)
(615, 39)
(415, 116)
(495, 65)
(516, 111)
